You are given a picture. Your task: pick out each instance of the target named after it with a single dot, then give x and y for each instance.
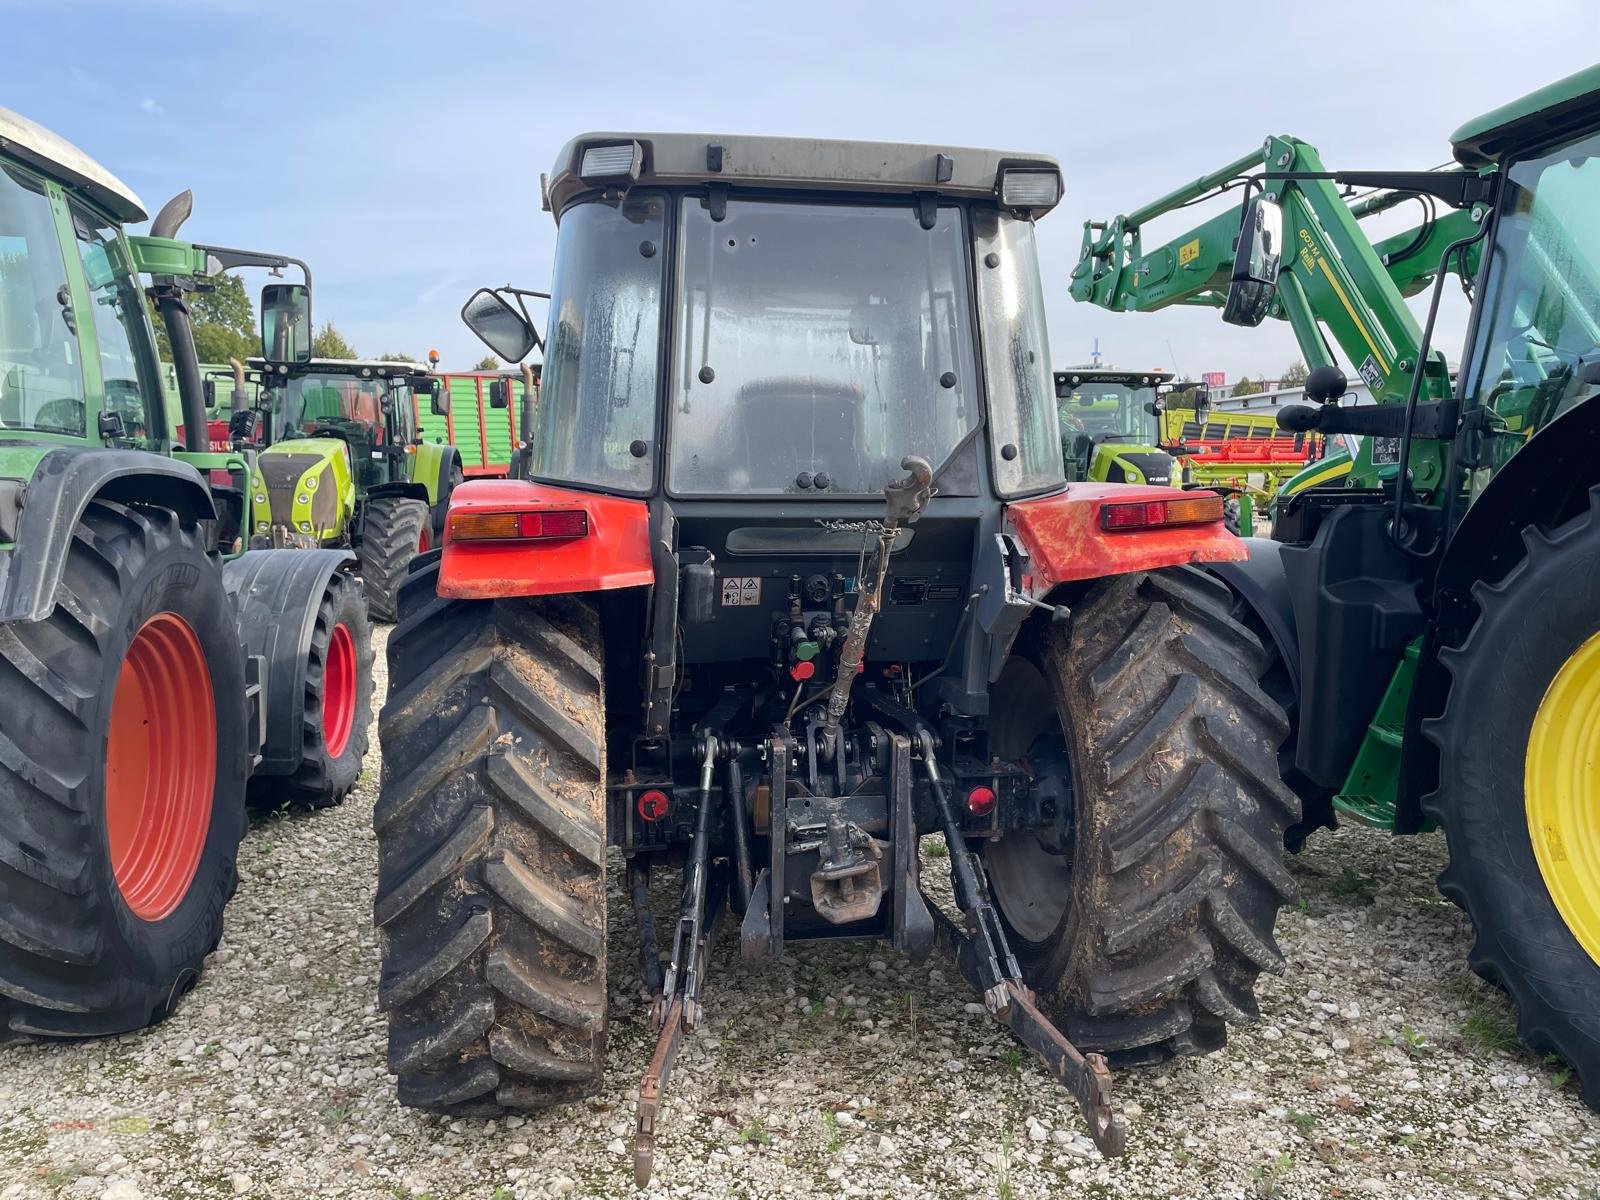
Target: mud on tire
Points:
(393, 530)
(75, 959)
(1173, 863)
(491, 843)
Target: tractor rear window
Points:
(818, 344)
(41, 381)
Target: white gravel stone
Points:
(274, 1069)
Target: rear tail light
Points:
(518, 526)
(1152, 514)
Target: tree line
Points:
(225, 327)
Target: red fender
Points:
(612, 552)
(1067, 540)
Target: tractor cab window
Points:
(1541, 298)
(598, 396)
(1023, 422)
(41, 380)
(1110, 412)
(127, 375)
(818, 345)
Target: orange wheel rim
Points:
(339, 691)
(422, 541)
(161, 766)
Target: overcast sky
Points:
(398, 146)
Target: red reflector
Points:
(564, 524)
(652, 805)
(980, 801)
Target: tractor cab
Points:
(334, 432)
(1111, 425)
(370, 406)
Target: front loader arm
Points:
(1332, 278)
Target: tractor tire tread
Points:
(491, 836)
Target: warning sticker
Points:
(741, 591)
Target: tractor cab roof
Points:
(1533, 122)
(597, 161)
(365, 368)
(1076, 377)
(61, 160)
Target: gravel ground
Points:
(1380, 1067)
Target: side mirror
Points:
(1255, 263)
(499, 326)
(209, 386)
(499, 393)
(286, 323)
(1151, 407)
(439, 402)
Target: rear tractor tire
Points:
(122, 779)
(491, 852)
(1519, 789)
(1145, 919)
(394, 530)
(338, 706)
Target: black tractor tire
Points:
(337, 682)
(1145, 921)
(394, 529)
(1316, 802)
(1530, 624)
(491, 852)
(122, 737)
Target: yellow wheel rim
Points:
(1562, 791)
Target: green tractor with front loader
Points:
(1434, 610)
(790, 576)
(341, 462)
(152, 673)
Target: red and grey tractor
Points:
(792, 578)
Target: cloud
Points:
(150, 105)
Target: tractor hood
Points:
(307, 485)
(1121, 463)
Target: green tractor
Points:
(343, 463)
(151, 673)
(1434, 609)
(1110, 426)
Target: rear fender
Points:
(615, 553)
(60, 488)
(276, 594)
(430, 467)
(1065, 542)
